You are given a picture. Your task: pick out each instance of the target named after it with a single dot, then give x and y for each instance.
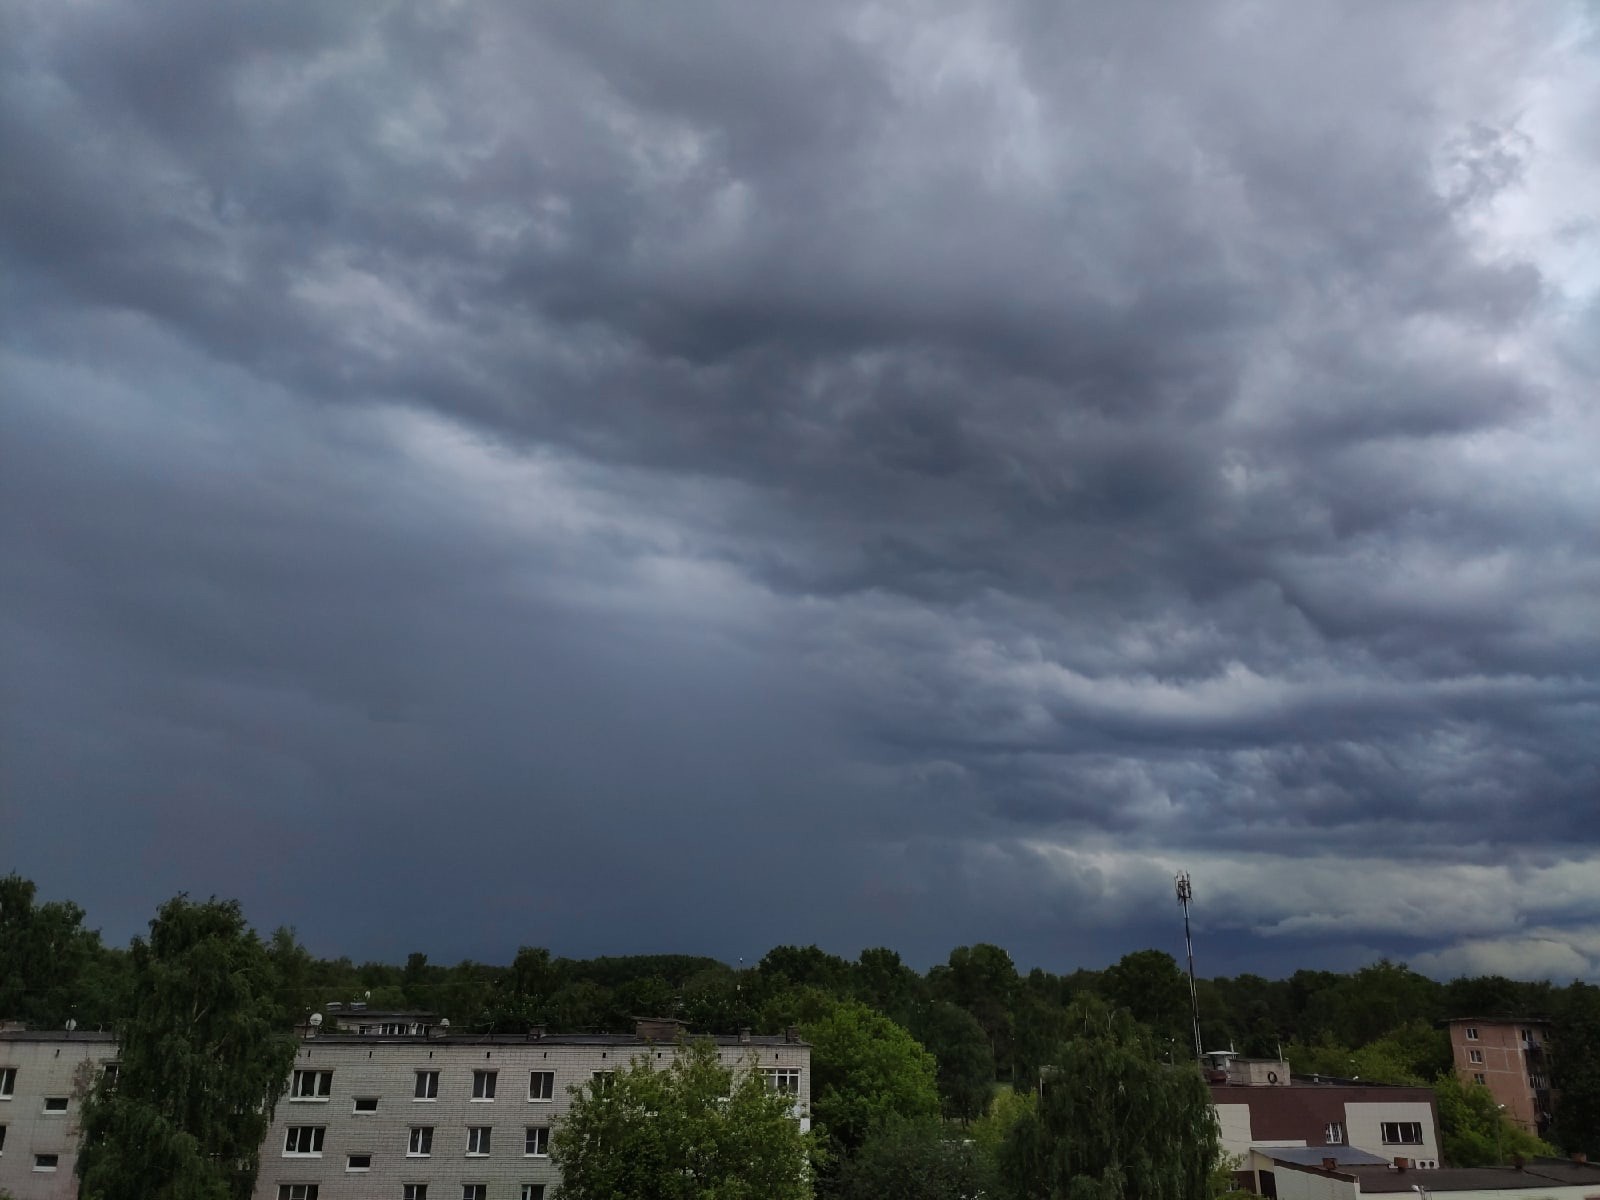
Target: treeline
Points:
(985, 1023)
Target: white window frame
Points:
(421, 1136)
(1400, 1128)
(776, 1077)
(413, 1191)
(297, 1191)
(2, 1141)
(39, 1163)
(484, 1084)
(357, 1101)
(1475, 1057)
(311, 1086)
(1480, 1077)
(426, 1090)
(1334, 1133)
(539, 1136)
(480, 1140)
(549, 1080)
(604, 1080)
(533, 1191)
(474, 1191)
(8, 1082)
(350, 1166)
(56, 1106)
(293, 1135)
(1472, 1033)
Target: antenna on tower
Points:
(1185, 892)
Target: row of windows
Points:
(8, 1087)
(412, 1191)
(307, 1141)
(317, 1085)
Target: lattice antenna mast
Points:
(1186, 893)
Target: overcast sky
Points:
(635, 477)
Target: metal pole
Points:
(1185, 894)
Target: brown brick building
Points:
(1509, 1056)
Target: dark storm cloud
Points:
(957, 462)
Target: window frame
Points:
(350, 1166)
(321, 1091)
(485, 1083)
(316, 1134)
(1400, 1128)
(775, 1076)
(421, 1135)
(43, 1167)
(1475, 1057)
(533, 1191)
(549, 1078)
(426, 1090)
(306, 1191)
(357, 1101)
(538, 1136)
(474, 1191)
(480, 1141)
(1334, 1134)
(1472, 1033)
(56, 1106)
(8, 1082)
(413, 1191)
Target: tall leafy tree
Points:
(966, 1064)
(1113, 1121)
(866, 1070)
(205, 1052)
(48, 960)
(1151, 986)
(915, 1160)
(696, 1129)
(1473, 1131)
(1575, 1070)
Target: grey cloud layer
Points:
(1096, 426)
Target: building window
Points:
(603, 1080)
(2, 1139)
(483, 1084)
(785, 1080)
(1402, 1133)
(478, 1139)
(414, 1191)
(55, 1104)
(311, 1085)
(46, 1162)
(1537, 1081)
(1333, 1135)
(359, 1162)
(304, 1139)
(297, 1191)
(421, 1144)
(533, 1191)
(536, 1143)
(1480, 1078)
(1475, 1056)
(1472, 1033)
(8, 1082)
(541, 1085)
(427, 1085)
(474, 1191)
(366, 1104)
(109, 1073)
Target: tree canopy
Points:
(1114, 1121)
(696, 1129)
(865, 1071)
(205, 1054)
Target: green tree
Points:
(1473, 1132)
(1575, 1070)
(205, 1054)
(1113, 1122)
(1151, 986)
(983, 980)
(966, 1064)
(866, 1070)
(694, 1130)
(915, 1160)
(46, 957)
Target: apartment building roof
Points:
(550, 1039)
(1540, 1173)
(56, 1035)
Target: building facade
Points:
(1509, 1056)
(445, 1117)
(44, 1077)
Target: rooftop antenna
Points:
(1186, 893)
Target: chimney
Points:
(535, 1032)
(1401, 1164)
(1329, 1164)
(744, 1036)
(792, 1034)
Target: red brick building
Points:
(1509, 1056)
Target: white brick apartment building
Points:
(460, 1117)
(44, 1076)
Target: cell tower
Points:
(1185, 894)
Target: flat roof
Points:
(1312, 1156)
(549, 1039)
(1540, 1173)
(56, 1035)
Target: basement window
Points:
(55, 1104)
(46, 1162)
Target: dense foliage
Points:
(1114, 1120)
(205, 1053)
(694, 1129)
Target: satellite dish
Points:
(316, 1020)
(366, 995)
(444, 1022)
(72, 1024)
